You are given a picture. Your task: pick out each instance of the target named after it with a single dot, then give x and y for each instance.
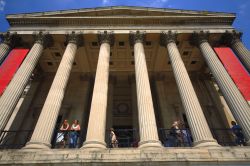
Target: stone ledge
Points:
(165, 156)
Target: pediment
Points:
(121, 16)
(122, 11)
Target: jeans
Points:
(73, 139)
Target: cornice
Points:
(120, 20)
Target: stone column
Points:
(234, 98)
(42, 135)
(147, 124)
(198, 125)
(9, 41)
(15, 88)
(234, 40)
(97, 118)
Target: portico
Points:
(145, 70)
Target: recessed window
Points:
(57, 54)
(111, 54)
(94, 44)
(132, 53)
(74, 63)
(132, 62)
(193, 62)
(111, 63)
(49, 63)
(148, 43)
(121, 43)
(185, 53)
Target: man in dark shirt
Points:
(237, 132)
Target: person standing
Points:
(237, 133)
(63, 134)
(74, 134)
(114, 141)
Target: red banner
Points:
(235, 69)
(10, 66)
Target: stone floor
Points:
(230, 156)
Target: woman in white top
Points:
(63, 134)
(74, 134)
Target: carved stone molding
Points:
(43, 38)
(229, 38)
(75, 38)
(137, 37)
(11, 39)
(167, 37)
(199, 37)
(106, 37)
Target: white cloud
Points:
(105, 2)
(159, 3)
(2, 5)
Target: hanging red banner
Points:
(10, 66)
(235, 69)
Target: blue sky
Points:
(240, 7)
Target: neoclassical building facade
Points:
(134, 69)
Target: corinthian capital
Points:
(229, 38)
(11, 39)
(167, 37)
(136, 37)
(43, 38)
(106, 37)
(74, 38)
(199, 37)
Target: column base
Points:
(150, 144)
(37, 145)
(206, 143)
(95, 145)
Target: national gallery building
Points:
(168, 83)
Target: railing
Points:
(125, 137)
(224, 137)
(64, 139)
(175, 137)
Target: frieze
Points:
(95, 21)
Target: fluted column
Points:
(97, 119)
(15, 88)
(198, 125)
(234, 40)
(9, 40)
(234, 98)
(42, 135)
(147, 124)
